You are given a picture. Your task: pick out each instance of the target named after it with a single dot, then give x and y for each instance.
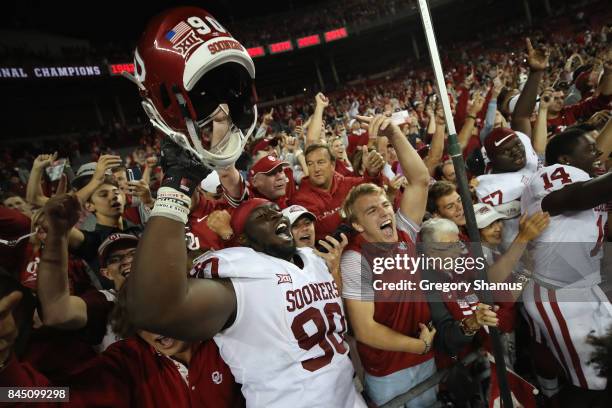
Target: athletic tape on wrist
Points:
(171, 204)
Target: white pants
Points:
(565, 317)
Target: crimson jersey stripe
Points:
(538, 302)
(568, 341)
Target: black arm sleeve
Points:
(449, 338)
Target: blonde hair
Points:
(356, 192)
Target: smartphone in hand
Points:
(342, 229)
(134, 174)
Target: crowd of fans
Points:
(306, 22)
(370, 161)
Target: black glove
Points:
(182, 170)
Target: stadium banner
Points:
(25, 72)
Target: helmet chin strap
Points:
(191, 128)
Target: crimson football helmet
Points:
(197, 85)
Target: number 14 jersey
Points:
(286, 346)
(570, 249)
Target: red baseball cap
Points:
(263, 144)
(265, 165)
(497, 137)
(242, 212)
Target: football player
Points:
(564, 299)
(513, 161)
(273, 310)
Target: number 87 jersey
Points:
(286, 345)
(570, 249)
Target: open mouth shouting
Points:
(282, 230)
(125, 272)
(597, 165)
(387, 229)
(305, 238)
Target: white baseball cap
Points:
(296, 211)
(486, 215)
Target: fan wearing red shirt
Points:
(272, 179)
(144, 370)
(394, 341)
(324, 190)
(563, 116)
(13, 225)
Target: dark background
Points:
(35, 108)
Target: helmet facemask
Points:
(222, 101)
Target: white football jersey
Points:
(569, 250)
(286, 346)
(503, 191)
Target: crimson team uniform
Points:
(55, 351)
(564, 300)
(286, 345)
(13, 225)
(325, 205)
(400, 311)
(131, 373)
(569, 115)
(199, 235)
(503, 190)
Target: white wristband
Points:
(171, 204)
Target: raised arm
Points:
(185, 309)
(34, 193)
(604, 141)
(538, 62)
(436, 150)
(414, 198)
(579, 196)
(474, 106)
(59, 308)
(605, 83)
(529, 229)
(540, 130)
(313, 133)
(105, 163)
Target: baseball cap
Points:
(296, 211)
(83, 173)
(242, 212)
(113, 240)
(496, 138)
(486, 215)
(263, 145)
(86, 170)
(211, 182)
(266, 164)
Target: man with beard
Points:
(564, 300)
